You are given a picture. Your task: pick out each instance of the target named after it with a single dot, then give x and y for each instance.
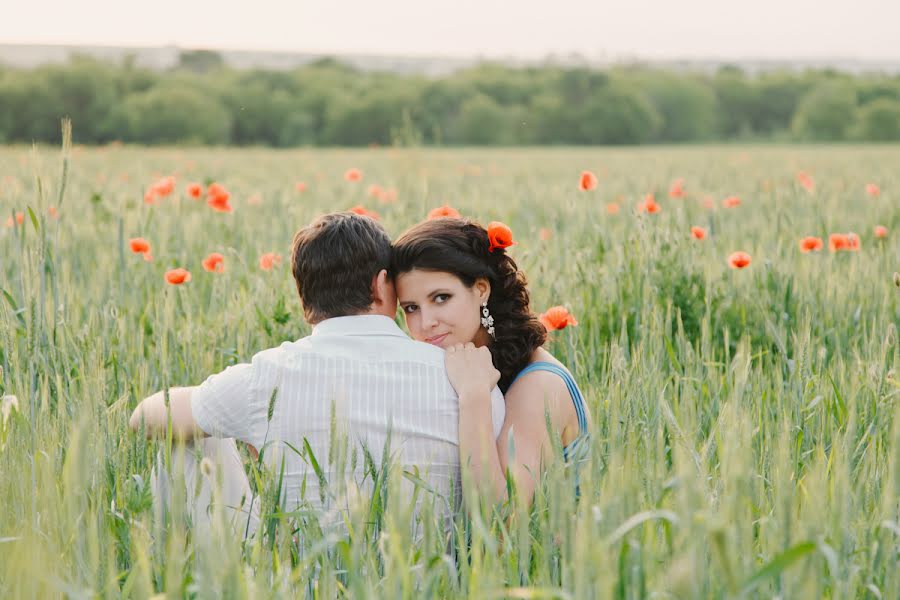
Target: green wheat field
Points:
(746, 422)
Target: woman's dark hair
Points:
(460, 246)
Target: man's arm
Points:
(154, 414)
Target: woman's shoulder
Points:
(540, 355)
(543, 375)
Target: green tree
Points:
(870, 90)
(368, 119)
(619, 114)
(33, 102)
(259, 113)
(174, 114)
(502, 84)
(686, 103)
(440, 102)
(319, 88)
(200, 61)
(484, 121)
(777, 96)
(826, 113)
(879, 121)
(737, 98)
(553, 122)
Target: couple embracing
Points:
(474, 387)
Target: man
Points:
(357, 385)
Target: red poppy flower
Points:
(374, 191)
(731, 202)
(838, 241)
(676, 190)
(649, 205)
(139, 245)
(51, 210)
(178, 276)
(442, 212)
(365, 212)
(545, 234)
(806, 181)
(499, 235)
(388, 196)
(811, 244)
(217, 198)
(213, 263)
(739, 260)
(353, 175)
(880, 231)
(612, 208)
(698, 232)
(873, 190)
(195, 190)
(587, 181)
(20, 218)
(556, 318)
(300, 186)
(269, 260)
(219, 204)
(164, 186)
(150, 197)
(852, 242)
(708, 202)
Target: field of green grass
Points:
(746, 423)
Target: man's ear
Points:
(383, 289)
(482, 289)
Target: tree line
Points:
(328, 103)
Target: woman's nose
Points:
(429, 319)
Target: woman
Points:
(460, 290)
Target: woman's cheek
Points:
(412, 323)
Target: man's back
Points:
(351, 387)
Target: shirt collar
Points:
(358, 325)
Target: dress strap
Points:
(574, 392)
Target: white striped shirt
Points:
(358, 376)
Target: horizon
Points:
(463, 57)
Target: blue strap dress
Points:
(577, 450)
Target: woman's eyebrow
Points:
(430, 295)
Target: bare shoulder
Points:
(535, 390)
(538, 387)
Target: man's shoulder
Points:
(421, 352)
(278, 352)
(394, 349)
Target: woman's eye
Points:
(409, 308)
(441, 298)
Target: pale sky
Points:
(600, 29)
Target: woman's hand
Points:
(473, 376)
(471, 371)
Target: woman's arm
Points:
(473, 376)
(524, 443)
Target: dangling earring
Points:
(487, 321)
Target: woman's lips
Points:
(436, 340)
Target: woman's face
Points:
(440, 309)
